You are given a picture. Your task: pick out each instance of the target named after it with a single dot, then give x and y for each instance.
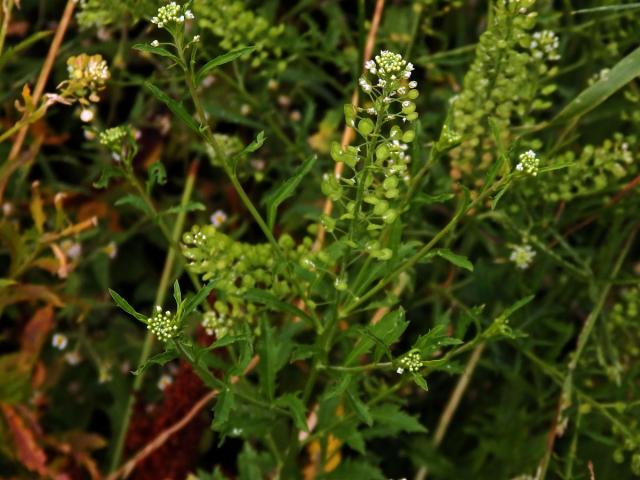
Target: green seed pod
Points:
(390, 183)
(382, 152)
(412, 116)
(408, 136)
(381, 207)
(365, 126)
(390, 216)
(410, 108)
(413, 94)
(336, 152)
(384, 254)
(340, 284)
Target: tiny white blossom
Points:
(73, 358)
(218, 218)
(59, 341)
(155, 43)
(164, 381)
(522, 256)
(86, 115)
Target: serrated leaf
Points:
(360, 409)
(136, 202)
(124, 305)
(263, 297)
(387, 331)
(227, 340)
(224, 406)
(191, 303)
(458, 260)
(159, 359)
(391, 416)
(230, 56)
(297, 409)
(109, 172)
(256, 144)
(175, 107)
(285, 190)
(187, 207)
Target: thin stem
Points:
(159, 300)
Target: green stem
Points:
(7, 6)
(159, 300)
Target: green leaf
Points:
(124, 305)
(224, 406)
(159, 359)
(297, 409)
(187, 207)
(156, 175)
(420, 381)
(191, 303)
(230, 56)
(136, 202)
(177, 294)
(387, 331)
(356, 469)
(227, 340)
(360, 409)
(458, 260)
(174, 106)
(622, 73)
(285, 190)
(424, 199)
(267, 366)
(256, 144)
(145, 47)
(263, 297)
(396, 420)
(433, 340)
(109, 172)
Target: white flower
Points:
(196, 39)
(164, 381)
(59, 341)
(522, 256)
(218, 218)
(400, 371)
(86, 115)
(73, 250)
(189, 15)
(529, 163)
(155, 43)
(111, 250)
(411, 361)
(170, 13)
(73, 358)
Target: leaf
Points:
(224, 406)
(174, 106)
(36, 206)
(28, 452)
(6, 282)
(109, 172)
(191, 303)
(159, 359)
(124, 305)
(297, 409)
(433, 340)
(388, 330)
(420, 381)
(227, 340)
(424, 199)
(144, 47)
(356, 469)
(458, 260)
(177, 293)
(187, 207)
(398, 421)
(36, 332)
(622, 73)
(256, 144)
(267, 367)
(285, 190)
(262, 296)
(136, 202)
(230, 56)
(361, 410)
(156, 175)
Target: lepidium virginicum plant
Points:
(321, 324)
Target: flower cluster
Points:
(163, 325)
(88, 75)
(522, 256)
(594, 169)
(529, 163)
(217, 323)
(509, 82)
(545, 44)
(380, 164)
(120, 141)
(237, 267)
(237, 25)
(170, 14)
(411, 362)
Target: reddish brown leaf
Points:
(37, 330)
(28, 452)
